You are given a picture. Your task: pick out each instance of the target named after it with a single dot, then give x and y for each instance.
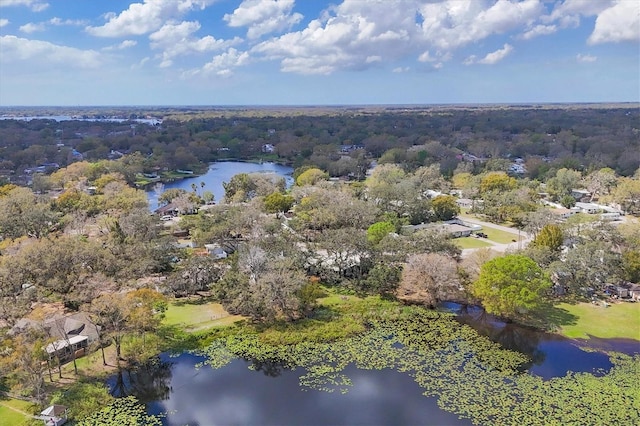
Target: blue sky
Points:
(308, 52)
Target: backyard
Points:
(618, 320)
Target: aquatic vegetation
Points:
(467, 373)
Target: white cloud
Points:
(454, 23)
(346, 37)
(32, 27)
(619, 23)
(538, 30)
(70, 22)
(586, 58)
(263, 16)
(45, 54)
(221, 65)
(34, 5)
(175, 39)
(121, 46)
(400, 69)
(143, 18)
(490, 58)
(4, 22)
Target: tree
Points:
(277, 202)
(311, 177)
(445, 207)
(550, 236)
(379, 230)
(588, 264)
(23, 213)
(563, 182)
(497, 181)
(429, 278)
(121, 313)
(195, 274)
(510, 286)
(382, 279)
(631, 265)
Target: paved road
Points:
(497, 246)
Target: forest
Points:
(372, 191)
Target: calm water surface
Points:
(269, 395)
(237, 395)
(217, 174)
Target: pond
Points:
(385, 382)
(218, 173)
(238, 395)
(551, 355)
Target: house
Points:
(580, 194)
(634, 292)
(54, 415)
(268, 148)
(563, 213)
(454, 229)
(72, 333)
(589, 208)
(216, 251)
(170, 209)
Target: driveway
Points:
(501, 248)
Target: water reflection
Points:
(147, 382)
(551, 355)
(237, 395)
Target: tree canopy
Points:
(511, 285)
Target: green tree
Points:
(382, 279)
(311, 177)
(550, 236)
(379, 230)
(445, 207)
(631, 265)
(497, 181)
(277, 202)
(510, 286)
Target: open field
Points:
(620, 320)
(471, 242)
(196, 315)
(12, 412)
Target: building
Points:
(54, 415)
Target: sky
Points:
(317, 52)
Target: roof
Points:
(54, 410)
(63, 343)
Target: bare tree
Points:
(429, 278)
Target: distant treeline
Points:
(337, 139)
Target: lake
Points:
(238, 395)
(218, 173)
(243, 392)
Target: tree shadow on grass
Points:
(194, 300)
(551, 317)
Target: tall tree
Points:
(511, 286)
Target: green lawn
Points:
(9, 417)
(194, 315)
(471, 242)
(500, 236)
(620, 320)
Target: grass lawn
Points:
(500, 236)
(11, 417)
(194, 315)
(620, 320)
(470, 242)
